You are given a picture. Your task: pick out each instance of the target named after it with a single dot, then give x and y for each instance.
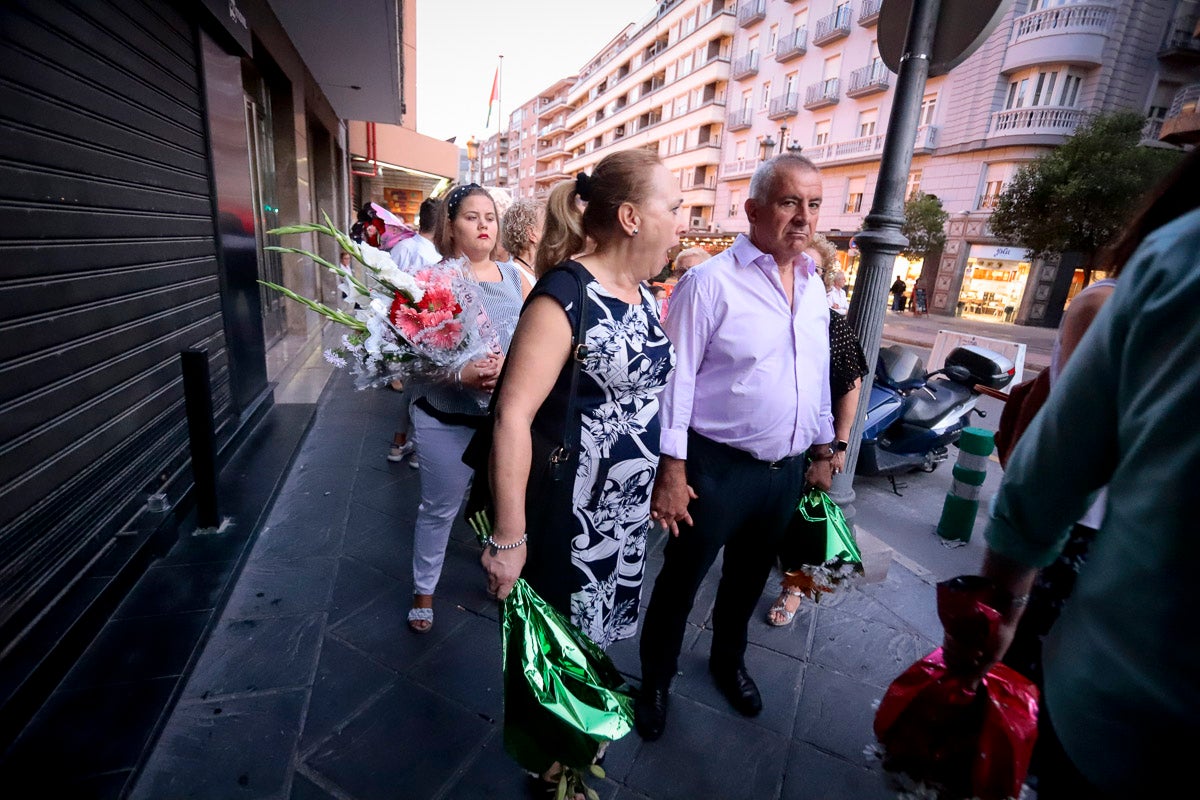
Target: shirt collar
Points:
(745, 253)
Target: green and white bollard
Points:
(970, 471)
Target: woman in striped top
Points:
(445, 415)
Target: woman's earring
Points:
(635, 230)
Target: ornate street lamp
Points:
(472, 154)
(767, 145)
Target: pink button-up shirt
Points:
(751, 371)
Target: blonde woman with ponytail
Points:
(586, 557)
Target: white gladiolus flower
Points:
(402, 281)
(374, 258)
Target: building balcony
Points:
(1181, 125)
(1055, 120)
(550, 105)
(550, 149)
(737, 170)
(554, 126)
(1075, 33)
(821, 94)
(792, 45)
(751, 11)
(1182, 44)
(868, 80)
(745, 66)
(868, 12)
(688, 182)
(832, 27)
(785, 105)
(740, 120)
(866, 148)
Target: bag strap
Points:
(579, 353)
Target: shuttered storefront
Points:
(107, 271)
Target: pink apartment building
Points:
(714, 86)
(807, 77)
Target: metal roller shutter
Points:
(107, 271)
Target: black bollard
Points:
(197, 396)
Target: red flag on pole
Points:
(494, 95)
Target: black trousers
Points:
(744, 506)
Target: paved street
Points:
(311, 685)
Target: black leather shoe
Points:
(650, 712)
(739, 689)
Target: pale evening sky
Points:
(459, 41)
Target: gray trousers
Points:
(444, 482)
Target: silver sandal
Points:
(780, 608)
(417, 615)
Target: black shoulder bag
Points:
(551, 460)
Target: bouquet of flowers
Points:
(403, 326)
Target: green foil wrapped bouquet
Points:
(563, 696)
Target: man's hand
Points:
(671, 495)
(820, 474)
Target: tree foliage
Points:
(924, 225)
(1078, 196)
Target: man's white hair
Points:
(764, 177)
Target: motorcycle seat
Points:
(924, 410)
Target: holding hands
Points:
(671, 495)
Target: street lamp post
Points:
(880, 240)
(472, 154)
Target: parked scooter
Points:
(914, 416)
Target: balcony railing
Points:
(868, 79)
(689, 182)
(865, 148)
(988, 202)
(785, 105)
(745, 66)
(1182, 42)
(822, 93)
(1070, 18)
(742, 168)
(751, 11)
(740, 120)
(832, 27)
(792, 45)
(1182, 122)
(1046, 119)
(868, 12)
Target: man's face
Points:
(784, 224)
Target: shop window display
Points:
(992, 285)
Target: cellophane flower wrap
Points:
(563, 696)
(940, 731)
(415, 327)
(819, 553)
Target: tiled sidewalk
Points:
(312, 685)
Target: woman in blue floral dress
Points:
(586, 557)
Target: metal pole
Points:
(880, 240)
(197, 397)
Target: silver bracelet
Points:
(511, 546)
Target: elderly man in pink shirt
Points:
(745, 421)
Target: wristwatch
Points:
(840, 446)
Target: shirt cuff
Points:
(673, 443)
(1008, 542)
(825, 431)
